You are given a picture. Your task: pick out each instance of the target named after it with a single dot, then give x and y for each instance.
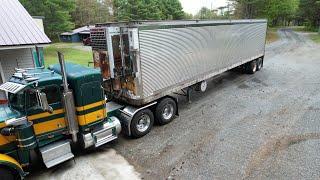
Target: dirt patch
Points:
(102, 164)
(273, 146)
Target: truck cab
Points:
(41, 117)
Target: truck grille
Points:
(98, 38)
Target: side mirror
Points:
(42, 97)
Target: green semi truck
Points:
(50, 109)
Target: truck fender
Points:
(12, 164)
(128, 113)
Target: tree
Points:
(188, 16)
(57, 14)
(276, 11)
(128, 10)
(91, 12)
(205, 13)
(171, 9)
(309, 10)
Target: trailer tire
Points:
(259, 64)
(251, 67)
(7, 174)
(165, 111)
(141, 123)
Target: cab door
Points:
(92, 107)
(45, 123)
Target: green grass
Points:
(315, 37)
(71, 54)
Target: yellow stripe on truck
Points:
(9, 159)
(91, 117)
(2, 125)
(6, 139)
(49, 126)
(89, 106)
(45, 114)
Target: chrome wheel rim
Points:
(254, 68)
(167, 112)
(143, 123)
(259, 64)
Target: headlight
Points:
(16, 121)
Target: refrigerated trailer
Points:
(143, 63)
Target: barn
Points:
(21, 40)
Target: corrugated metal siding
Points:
(172, 56)
(18, 58)
(17, 26)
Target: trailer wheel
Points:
(141, 123)
(251, 67)
(7, 174)
(259, 64)
(165, 111)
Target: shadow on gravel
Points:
(274, 146)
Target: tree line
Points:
(66, 15)
(278, 12)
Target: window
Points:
(53, 94)
(17, 101)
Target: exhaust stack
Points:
(68, 102)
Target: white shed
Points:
(21, 40)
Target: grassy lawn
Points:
(73, 52)
(315, 37)
(272, 35)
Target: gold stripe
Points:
(6, 139)
(7, 158)
(45, 114)
(48, 126)
(3, 124)
(89, 106)
(91, 117)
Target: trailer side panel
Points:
(171, 56)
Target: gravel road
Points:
(261, 126)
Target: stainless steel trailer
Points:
(143, 63)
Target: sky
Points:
(193, 6)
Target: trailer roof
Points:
(181, 23)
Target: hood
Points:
(7, 113)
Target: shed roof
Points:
(81, 30)
(17, 28)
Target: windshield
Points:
(17, 101)
(23, 100)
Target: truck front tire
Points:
(165, 111)
(141, 123)
(7, 174)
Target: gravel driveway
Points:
(261, 126)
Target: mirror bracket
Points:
(43, 102)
